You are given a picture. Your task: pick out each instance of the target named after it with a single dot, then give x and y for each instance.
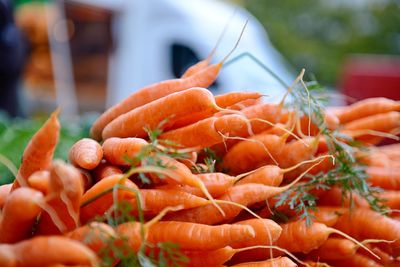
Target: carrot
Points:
(94, 235)
(98, 199)
(386, 178)
(232, 98)
(105, 169)
(120, 151)
(5, 190)
(391, 199)
(207, 132)
(40, 181)
(384, 122)
(366, 108)
(334, 249)
(38, 154)
(327, 215)
(244, 104)
(64, 197)
(244, 195)
(19, 215)
(336, 197)
(86, 153)
(191, 102)
(193, 236)
(255, 152)
(57, 250)
(268, 112)
(386, 258)
(203, 78)
(277, 262)
(368, 224)
(356, 260)
(297, 151)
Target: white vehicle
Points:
(157, 40)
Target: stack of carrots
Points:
(175, 176)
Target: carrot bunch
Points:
(175, 176)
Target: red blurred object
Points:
(365, 76)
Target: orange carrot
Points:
(245, 104)
(336, 197)
(255, 152)
(368, 224)
(387, 178)
(5, 190)
(38, 154)
(391, 199)
(19, 215)
(334, 249)
(233, 98)
(98, 199)
(277, 262)
(191, 102)
(104, 170)
(203, 78)
(384, 122)
(64, 197)
(94, 235)
(269, 112)
(40, 181)
(120, 151)
(367, 107)
(207, 132)
(57, 250)
(86, 153)
(356, 260)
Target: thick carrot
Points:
(174, 107)
(255, 152)
(40, 181)
(64, 198)
(336, 197)
(19, 215)
(386, 178)
(334, 249)
(203, 78)
(121, 151)
(384, 122)
(38, 154)
(268, 112)
(367, 107)
(5, 190)
(86, 153)
(94, 235)
(207, 132)
(98, 199)
(105, 169)
(356, 260)
(44, 251)
(297, 151)
(209, 257)
(368, 224)
(276, 262)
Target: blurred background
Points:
(86, 55)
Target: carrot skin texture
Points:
(65, 194)
(386, 178)
(152, 92)
(209, 257)
(39, 152)
(119, 151)
(5, 190)
(384, 122)
(268, 175)
(58, 250)
(356, 260)
(132, 123)
(105, 169)
(86, 153)
(40, 181)
(16, 223)
(276, 262)
(233, 98)
(334, 249)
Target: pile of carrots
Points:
(174, 164)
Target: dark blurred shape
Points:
(12, 58)
(366, 76)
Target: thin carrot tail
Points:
(236, 44)
(306, 162)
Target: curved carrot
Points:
(38, 154)
(120, 151)
(86, 153)
(367, 107)
(105, 169)
(19, 215)
(336, 197)
(5, 190)
(64, 197)
(203, 78)
(384, 122)
(57, 250)
(268, 112)
(40, 181)
(277, 262)
(98, 199)
(252, 153)
(232, 98)
(191, 102)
